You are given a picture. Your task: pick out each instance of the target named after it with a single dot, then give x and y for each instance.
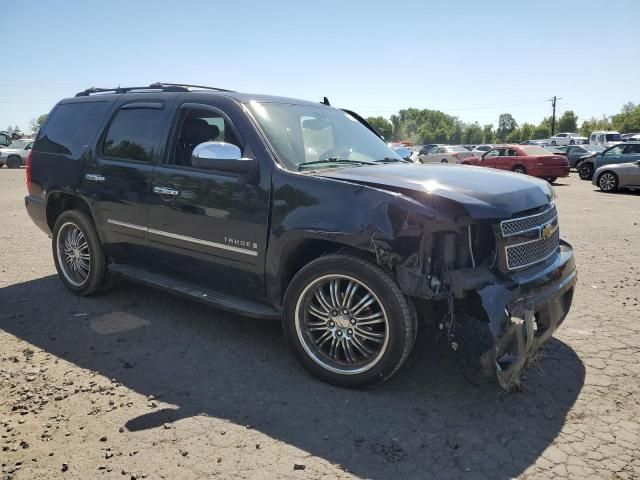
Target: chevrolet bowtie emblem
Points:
(548, 230)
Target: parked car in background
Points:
(621, 153)
(402, 151)
(625, 137)
(530, 159)
(15, 154)
(605, 139)
(423, 150)
(5, 139)
(575, 153)
(481, 149)
(618, 175)
(567, 139)
(445, 154)
(540, 142)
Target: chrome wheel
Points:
(607, 182)
(341, 324)
(519, 170)
(74, 256)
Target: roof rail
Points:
(164, 87)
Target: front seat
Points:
(194, 132)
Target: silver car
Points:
(15, 154)
(618, 175)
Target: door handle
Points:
(94, 177)
(166, 191)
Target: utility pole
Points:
(553, 117)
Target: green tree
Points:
(628, 120)
(487, 133)
(36, 123)
(541, 131)
(382, 125)
(472, 134)
(506, 125)
(526, 131)
(568, 122)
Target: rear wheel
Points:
(347, 322)
(572, 142)
(444, 160)
(13, 162)
(553, 142)
(519, 169)
(77, 253)
(551, 179)
(585, 171)
(608, 182)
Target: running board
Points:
(210, 297)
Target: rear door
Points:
(507, 159)
(210, 229)
(118, 179)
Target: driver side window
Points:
(198, 126)
(494, 153)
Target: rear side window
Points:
(133, 134)
(70, 128)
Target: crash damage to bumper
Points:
(501, 321)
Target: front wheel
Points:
(585, 171)
(444, 160)
(13, 162)
(553, 143)
(77, 253)
(572, 142)
(551, 179)
(347, 321)
(608, 182)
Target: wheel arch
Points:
(60, 202)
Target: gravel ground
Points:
(137, 383)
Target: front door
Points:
(207, 227)
(118, 178)
(489, 159)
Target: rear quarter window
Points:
(70, 127)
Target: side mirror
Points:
(222, 156)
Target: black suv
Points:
(280, 208)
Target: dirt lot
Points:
(137, 383)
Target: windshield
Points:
(535, 150)
(613, 137)
(302, 134)
(19, 143)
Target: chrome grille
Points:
(524, 254)
(523, 224)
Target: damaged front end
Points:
(498, 289)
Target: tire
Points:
(551, 179)
(444, 160)
(87, 274)
(608, 181)
(572, 142)
(578, 163)
(333, 345)
(519, 169)
(585, 172)
(14, 162)
(553, 142)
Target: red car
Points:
(530, 159)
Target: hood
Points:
(483, 192)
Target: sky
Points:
(471, 59)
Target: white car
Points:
(605, 139)
(567, 139)
(15, 154)
(481, 150)
(445, 154)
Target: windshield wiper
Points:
(391, 160)
(335, 160)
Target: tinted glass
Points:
(70, 127)
(613, 137)
(632, 149)
(133, 134)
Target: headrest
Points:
(195, 131)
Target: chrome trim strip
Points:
(221, 246)
(203, 242)
(126, 225)
(551, 206)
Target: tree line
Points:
(422, 126)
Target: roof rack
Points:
(164, 87)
